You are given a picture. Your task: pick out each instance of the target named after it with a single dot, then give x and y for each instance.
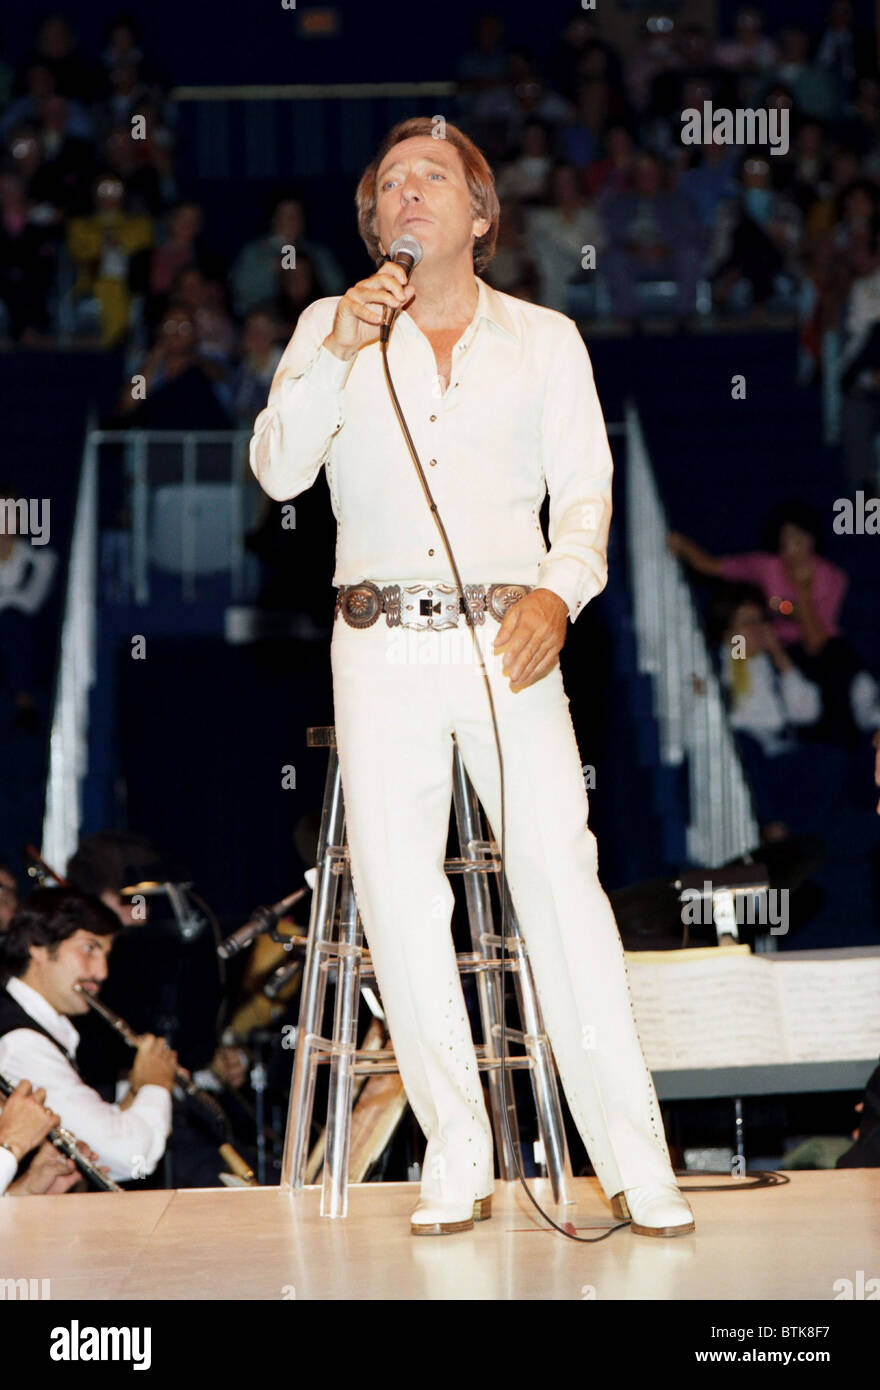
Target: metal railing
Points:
(69, 737)
(688, 703)
(188, 499)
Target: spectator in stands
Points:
(525, 99)
(255, 272)
(580, 138)
(40, 186)
(28, 252)
(770, 699)
(150, 186)
(483, 66)
(206, 301)
(803, 589)
(805, 593)
(57, 46)
(298, 286)
(860, 129)
(612, 172)
(123, 47)
(127, 97)
(760, 238)
(558, 234)
(8, 894)
(709, 184)
(656, 52)
(837, 46)
(571, 57)
(177, 391)
(101, 247)
(68, 158)
(815, 89)
(261, 350)
(841, 245)
(859, 366)
(805, 169)
(749, 53)
(512, 269)
(826, 210)
(526, 177)
(652, 235)
(180, 243)
(697, 67)
(27, 109)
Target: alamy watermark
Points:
(25, 516)
(718, 125)
(708, 907)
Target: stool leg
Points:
(312, 992)
(334, 1190)
(542, 1072)
(490, 989)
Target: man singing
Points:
(501, 404)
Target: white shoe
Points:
(435, 1218)
(657, 1209)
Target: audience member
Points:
(559, 234)
(101, 247)
(254, 276)
(652, 235)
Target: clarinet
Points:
(186, 1083)
(66, 1143)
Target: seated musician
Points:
(58, 940)
(24, 1123)
(145, 962)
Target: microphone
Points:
(405, 251)
(263, 920)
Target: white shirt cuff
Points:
(8, 1169)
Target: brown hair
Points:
(479, 176)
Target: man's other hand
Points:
(533, 633)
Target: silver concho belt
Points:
(425, 605)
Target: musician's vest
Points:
(13, 1016)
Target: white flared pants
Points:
(399, 697)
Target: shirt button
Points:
(432, 462)
(433, 418)
(430, 552)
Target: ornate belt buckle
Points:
(361, 604)
(434, 606)
(502, 597)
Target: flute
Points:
(181, 1079)
(66, 1143)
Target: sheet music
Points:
(715, 1008)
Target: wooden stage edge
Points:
(789, 1242)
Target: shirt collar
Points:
(491, 305)
(41, 1012)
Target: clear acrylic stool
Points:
(334, 948)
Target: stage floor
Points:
(793, 1241)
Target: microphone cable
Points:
(567, 1229)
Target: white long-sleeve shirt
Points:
(8, 1169)
(129, 1142)
(520, 418)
